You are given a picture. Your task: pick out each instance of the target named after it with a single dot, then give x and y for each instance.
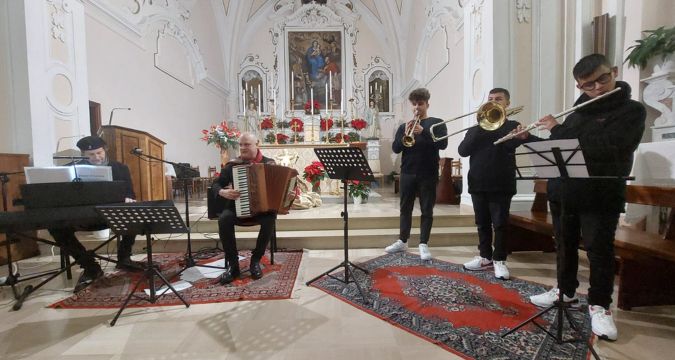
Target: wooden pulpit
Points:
(148, 177)
(446, 193)
(21, 248)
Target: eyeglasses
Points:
(602, 80)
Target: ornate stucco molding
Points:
(523, 11)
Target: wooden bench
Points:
(645, 262)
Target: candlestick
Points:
(292, 87)
(311, 100)
(342, 99)
(326, 98)
(259, 99)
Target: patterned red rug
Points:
(110, 292)
(463, 312)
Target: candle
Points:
(259, 100)
(311, 99)
(274, 101)
(330, 81)
(243, 102)
(292, 86)
(342, 99)
(326, 98)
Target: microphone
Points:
(136, 151)
(100, 129)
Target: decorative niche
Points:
(253, 85)
(378, 80)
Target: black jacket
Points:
(421, 158)
(492, 167)
(609, 130)
(225, 179)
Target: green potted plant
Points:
(659, 42)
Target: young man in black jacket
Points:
(419, 171)
(94, 148)
(492, 184)
(609, 130)
(249, 154)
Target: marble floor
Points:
(310, 325)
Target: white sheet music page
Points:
(55, 174)
(544, 161)
(94, 173)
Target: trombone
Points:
(491, 116)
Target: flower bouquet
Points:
(326, 124)
(358, 124)
(266, 124)
(222, 136)
(359, 189)
(314, 173)
(296, 125)
(282, 138)
(308, 107)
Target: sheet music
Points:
(544, 162)
(55, 174)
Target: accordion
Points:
(263, 188)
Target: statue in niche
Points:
(251, 118)
(372, 118)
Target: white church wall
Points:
(122, 73)
(6, 135)
(203, 24)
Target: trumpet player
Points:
(492, 184)
(419, 171)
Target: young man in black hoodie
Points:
(609, 130)
(419, 172)
(492, 184)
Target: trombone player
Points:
(492, 184)
(419, 171)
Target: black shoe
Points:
(256, 271)
(129, 265)
(87, 277)
(229, 275)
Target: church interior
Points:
(171, 85)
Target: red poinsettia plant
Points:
(308, 106)
(340, 138)
(266, 124)
(314, 173)
(359, 189)
(358, 124)
(296, 125)
(222, 136)
(282, 138)
(326, 123)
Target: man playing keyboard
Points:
(93, 147)
(223, 186)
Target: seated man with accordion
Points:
(246, 184)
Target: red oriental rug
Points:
(110, 292)
(463, 312)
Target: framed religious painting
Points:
(315, 64)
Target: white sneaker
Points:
(501, 271)
(602, 322)
(424, 252)
(397, 246)
(548, 298)
(478, 263)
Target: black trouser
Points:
(492, 213)
(597, 230)
(410, 186)
(226, 222)
(65, 238)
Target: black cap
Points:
(90, 143)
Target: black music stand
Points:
(151, 217)
(553, 159)
(42, 199)
(186, 172)
(345, 164)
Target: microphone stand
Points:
(189, 260)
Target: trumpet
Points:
(490, 116)
(409, 138)
(534, 124)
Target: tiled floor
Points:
(311, 325)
